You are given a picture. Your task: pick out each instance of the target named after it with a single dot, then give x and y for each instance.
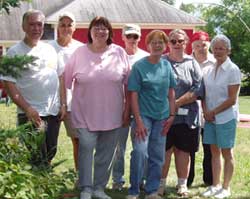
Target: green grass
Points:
(240, 184)
(244, 102)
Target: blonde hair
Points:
(179, 31)
(156, 33)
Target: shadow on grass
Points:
(170, 194)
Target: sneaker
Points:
(223, 193)
(162, 187)
(153, 196)
(85, 195)
(117, 186)
(211, 191)
(182, 190)
(132, 197)
(142, 187)
(100, 194)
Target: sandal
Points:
(182, 190)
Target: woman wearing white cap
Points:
(131, 35)
(65, 45)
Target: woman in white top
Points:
(65, 45)
(222, 84)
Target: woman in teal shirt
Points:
(151, 84)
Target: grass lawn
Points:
(240, 185)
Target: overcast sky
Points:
(178, 2)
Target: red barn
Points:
(149, 14)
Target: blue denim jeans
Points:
(119, 163)
(152, 149)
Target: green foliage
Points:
(18, 178)
(7, 4)
(232, 18)
(13, 66)
(189, 8)
(170, 2)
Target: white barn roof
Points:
(147, 13)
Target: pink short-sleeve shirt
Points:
(99, 80)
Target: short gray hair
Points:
(222, 38)
(32, 12)
(179, 31)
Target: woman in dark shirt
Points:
(183, 136)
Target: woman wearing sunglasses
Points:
(183, 136)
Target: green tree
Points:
(232, 18)
(7, 4)
(170, 2)
(189, 8)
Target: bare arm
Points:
(187, 98)
(126, 112)
(141, 131)
(18, 99)
(170, 120)
(63, 101)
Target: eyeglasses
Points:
(100, 28)
(134, 36)
(179, 41)
(157, 42)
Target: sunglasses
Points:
(134, 36)
(180, 41)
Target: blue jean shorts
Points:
(222, 135)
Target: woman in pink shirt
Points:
(99, 72)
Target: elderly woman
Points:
(183, 136)
(222, 84)
(99, 72)
(152, 99)
(65, 45)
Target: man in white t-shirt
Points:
(131, 35)
(37, 91)
(200, 51)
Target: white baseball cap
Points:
(67, 14)
(131, 29)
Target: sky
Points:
(178, 2)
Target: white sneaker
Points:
(153, 196)
(132, 197)
(211, 191)
(162, 187)
(100, 194)
(85, 195)
(223, 193)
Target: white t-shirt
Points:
(204, 65)
(40, 84)
(137, 56)
(216, 89)
(64, 54)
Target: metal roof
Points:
(147, 13)
(127, 11)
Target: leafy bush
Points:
(13, 66)
(20, 180)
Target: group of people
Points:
(102, 92)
